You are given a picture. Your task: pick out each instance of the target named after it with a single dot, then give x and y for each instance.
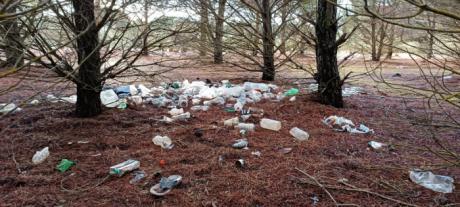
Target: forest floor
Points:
(373, 178)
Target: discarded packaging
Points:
(199, 108)
(40, 156)
(292, 99)
(292, 92)
(182, 117)
(231, 122)
(376, 145)
(345, 125)
(240, 143)
(109, 98)
(240, 163)
(256, 153)
(165, 185)
(438, 183)
(270, 124)
(299, 134)
(246, 126)
(175, 111)
(285, 150)
(124, 167)
(65, 165)
(138, 175)
(7, 108)
(163, 141)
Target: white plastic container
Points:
(299, 134)
(270, 124)
(182, 116)
(40, 156)
(124, 167)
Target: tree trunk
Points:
(268, 42)
(145, 42)
(391, 40)
(203, 26)
(218, 51)
(328, 77)
(256, 39)
(432, 24)
(382, 35)
(89, 74)
(13, 40)
(282, 47)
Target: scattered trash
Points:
(51, 98)
(231, 122)
(345, 125)
(256, 153)
(196, 101)
(124, 167)
(314, 200)
(166, 185)
(246, 126)
(40, 156)
(163, 141)
(109, 98)
(175, 111)
(182, 117)
(199, 108)
(347, 91)
(285, 150)
(34, 102)
(292, 99)
(438, 183)
(292, 92)
(138, 176)
(7, 108)
(240, 163)
(70, 99)
(299, 134)
(167, 119)
(376, 145)
(136, 99)
(162, 163)
(240, 143)
(65, 165)
(270, 124)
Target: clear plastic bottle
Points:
(299, 134)
(270, 124)
(40, 156)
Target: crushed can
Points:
(124, 167)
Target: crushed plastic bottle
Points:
(199, 108)
(438, 183)
(65, 165)
(246, 126)
(299, 134)
(182, 117)
(7, 108)
(231, 122)
(270, 124)
(376, 145)
(175, 111)
(196, 101)
(40, 156)
(124, 167)
(240, 143)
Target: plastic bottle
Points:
(270, 124)
(40, 156)
(231, 122)
(299, 134)
(246, 126)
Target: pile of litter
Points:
(347, 91)
(345, 125)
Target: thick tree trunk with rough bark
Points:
(218, 50)
(203, 26)
(268, 42)
(330, 86)
(89, 75)
(145, 42)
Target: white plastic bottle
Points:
(299, 134)
(270, 124)
(40, 156)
